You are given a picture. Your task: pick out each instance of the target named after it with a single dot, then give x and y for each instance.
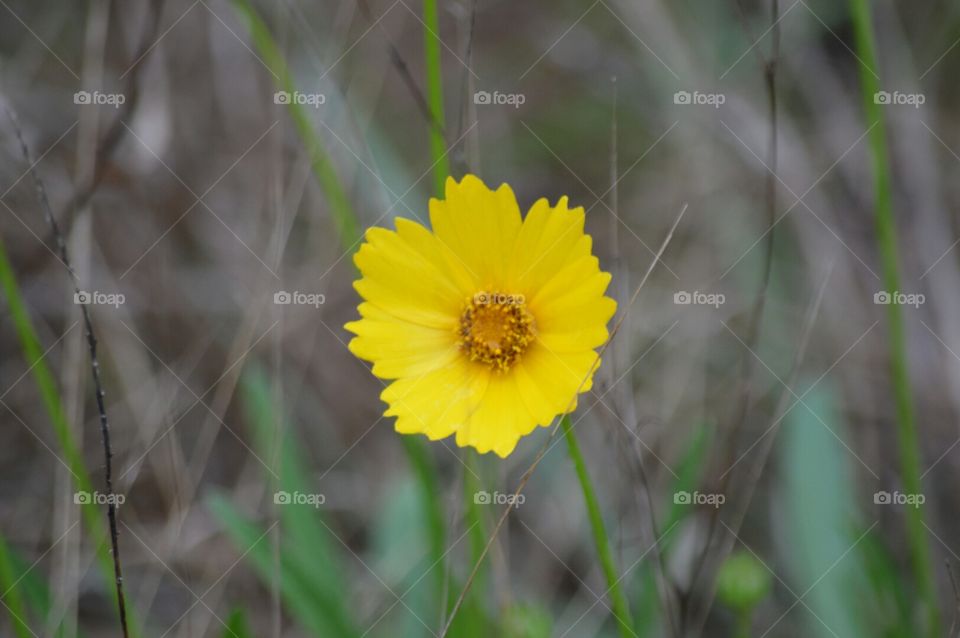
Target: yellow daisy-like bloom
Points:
(488, 324)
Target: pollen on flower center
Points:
(495, 329)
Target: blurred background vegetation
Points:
(777, 457)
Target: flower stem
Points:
(743, 624)
(887, 241)
(431, 43)
(621, 610)
(429, 483)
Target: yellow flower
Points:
(488, 324)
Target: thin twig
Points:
(94, 365)
(465, 91)
(117, 130)
(548, 444)
(632, 453)
(953, 633)
(752, 478)
(401, 66)
(769, 67)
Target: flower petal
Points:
(400, 348)
(406, 281)
(479, 225)
(571, 310)
(550, 238)
(436, 403)
(499, 420)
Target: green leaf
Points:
(307, 600)
(527, 621)
(12, 595)
(237, 626)
(311, 581)
(819, 515)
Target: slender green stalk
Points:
(12, 598)
(431, 43)
(426, 473)
(343, 215)
(620, 608)
(476, 623)
(743, 624)
(887, 242)
(472, 485)
(441, 169)
(347, 226)
(33, 354)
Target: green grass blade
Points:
(891, 604)
(426, 473)
(689, 470)
(310, 603)
(11, 594)
(33, 354)
(342, 211)
(620, 608)
(237, 626)
(473, 621)
(24, 592)
(310, 553)
(347, 227)
(887, 240)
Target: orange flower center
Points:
(496, 329)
